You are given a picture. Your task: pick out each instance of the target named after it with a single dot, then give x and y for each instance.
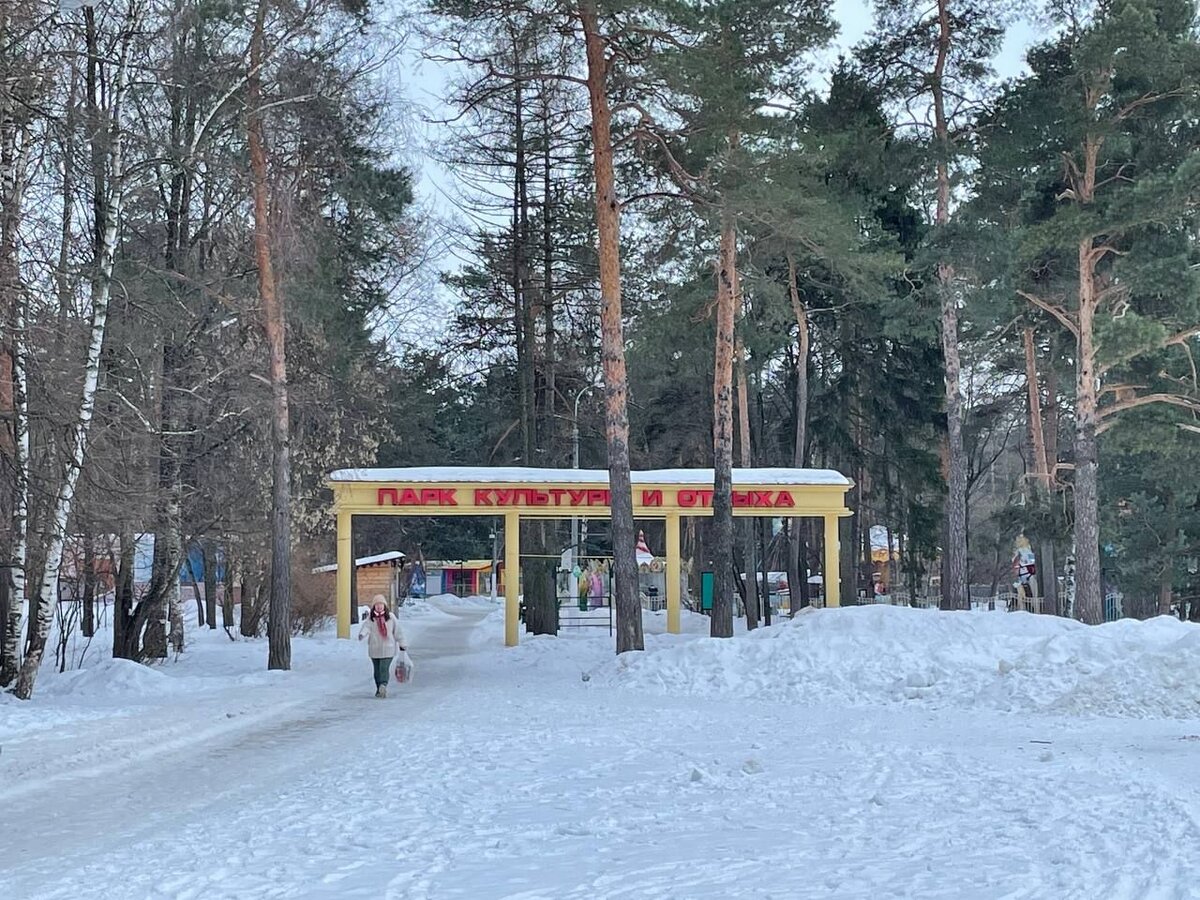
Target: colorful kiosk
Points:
(520, 493)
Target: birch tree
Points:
(101, 289)
(20, 81)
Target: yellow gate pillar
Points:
(512, 579)
(832, 575)
(345, 571)
(673, 574)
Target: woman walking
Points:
(384, 636)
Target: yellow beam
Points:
(345, 571)
(512, 579)
(832, 574)
(673, 574)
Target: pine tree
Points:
(935, 58)
(733, 59)
(1099, 136)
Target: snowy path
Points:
(175, 771)
(502, 775)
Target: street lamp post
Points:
(575, 464)
(495, 560)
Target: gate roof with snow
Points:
(556, 493)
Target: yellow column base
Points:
(345, 571)
(512, 579)
(674, 574)
(832, 574)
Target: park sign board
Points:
(555, 493)
(576, 499)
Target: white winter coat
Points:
(378, 646)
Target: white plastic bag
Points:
(403, 669)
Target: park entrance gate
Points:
(521, 493)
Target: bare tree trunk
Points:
(721, 621)
(851, 545)
(1044, 479)
(763, 526)
(209, 561)
(227, 596)
(548, 289)
(1050, 567)
(522, 317)
(1165, 595)
(1051, 418)
(1089, 592)
(165, 617)
(525, 301)
(765, 592)
(1047, 569)
(1089, 588)
(749, 551)
(850, 528)
(279, 622)
(1037, 437)
(170, 537)
(954, 581)
(954, 578)
(89, 586)
(248, 621)
(612, 341)
(198, 597)
(123, 637)
(153, 612)
(537, 583)
(540, 596)
(175, 614)
(797, 573)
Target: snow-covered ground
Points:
(858, 753)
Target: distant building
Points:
(378, 574)
(460, 577)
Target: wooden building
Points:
(379, 574)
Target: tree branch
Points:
(1107, 413)
(1055, 310)
(1179, 338)
(1145, 100)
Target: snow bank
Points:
(881, 655)
(490, 631)
(442, 605)
(475, 602)
(113, 678)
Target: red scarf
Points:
(381, 622)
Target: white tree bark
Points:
(16, 152)
(20, 517)
(47, 595)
